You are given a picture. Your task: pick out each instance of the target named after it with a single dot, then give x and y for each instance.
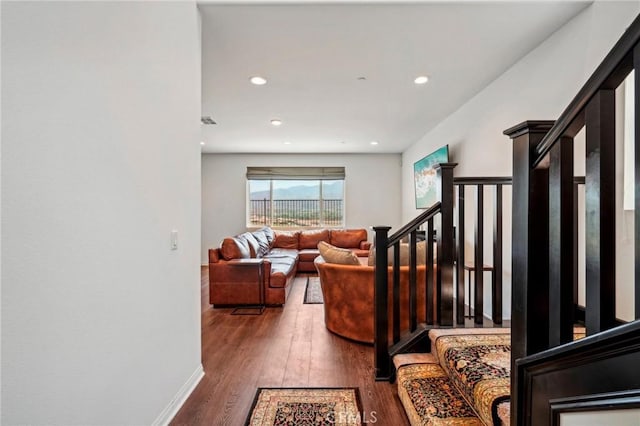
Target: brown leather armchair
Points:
(349, 302)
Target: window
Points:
(295, 196)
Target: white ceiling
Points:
(313, 54)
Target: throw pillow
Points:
(338, 255)
(254, 247)
(263, 242)
(271, 236)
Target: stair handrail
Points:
(416, 223)
(610, 73)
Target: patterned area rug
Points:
(313, 292)
(306, 407)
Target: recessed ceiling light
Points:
(202, 143)
(276, 122)
(287, 143)
(421, 79)
(362, 78)
(258, 81)
(374, 142)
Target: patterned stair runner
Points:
(470, 370)
(478, 365)
(464, 380)
(427, 394)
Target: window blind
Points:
(295, 173)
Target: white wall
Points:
(372, 195)
(100, 161)
(623, 417)
(537, 87)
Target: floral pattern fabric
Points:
(430, 399)
(479, 367)
(306, 407)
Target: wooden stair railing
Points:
(448, 284)
(544, 249)
(439, 294)
(479, 184)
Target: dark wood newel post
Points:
(382, 360)
(530, 253)
(446, 246)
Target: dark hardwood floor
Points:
(283, 347)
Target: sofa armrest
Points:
(261, 263)
(266, 271)
(365, 245)
(214, 255)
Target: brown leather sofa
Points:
(349, 303)
(272, 258)
(306, 242)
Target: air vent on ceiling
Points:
(207, 120)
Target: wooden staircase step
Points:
(429, 397)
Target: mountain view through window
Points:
(296, 203)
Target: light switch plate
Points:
(174, 240)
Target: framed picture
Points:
(424, 177)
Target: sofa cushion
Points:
(308, 255)
(310, 239)
(235, 248)
(287, 240)
(348, 238)
(333, 254)
(254, 247)
(280, 269)
(263, 242)
(421, 254)
(276, 253)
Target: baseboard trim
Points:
(176, 403)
